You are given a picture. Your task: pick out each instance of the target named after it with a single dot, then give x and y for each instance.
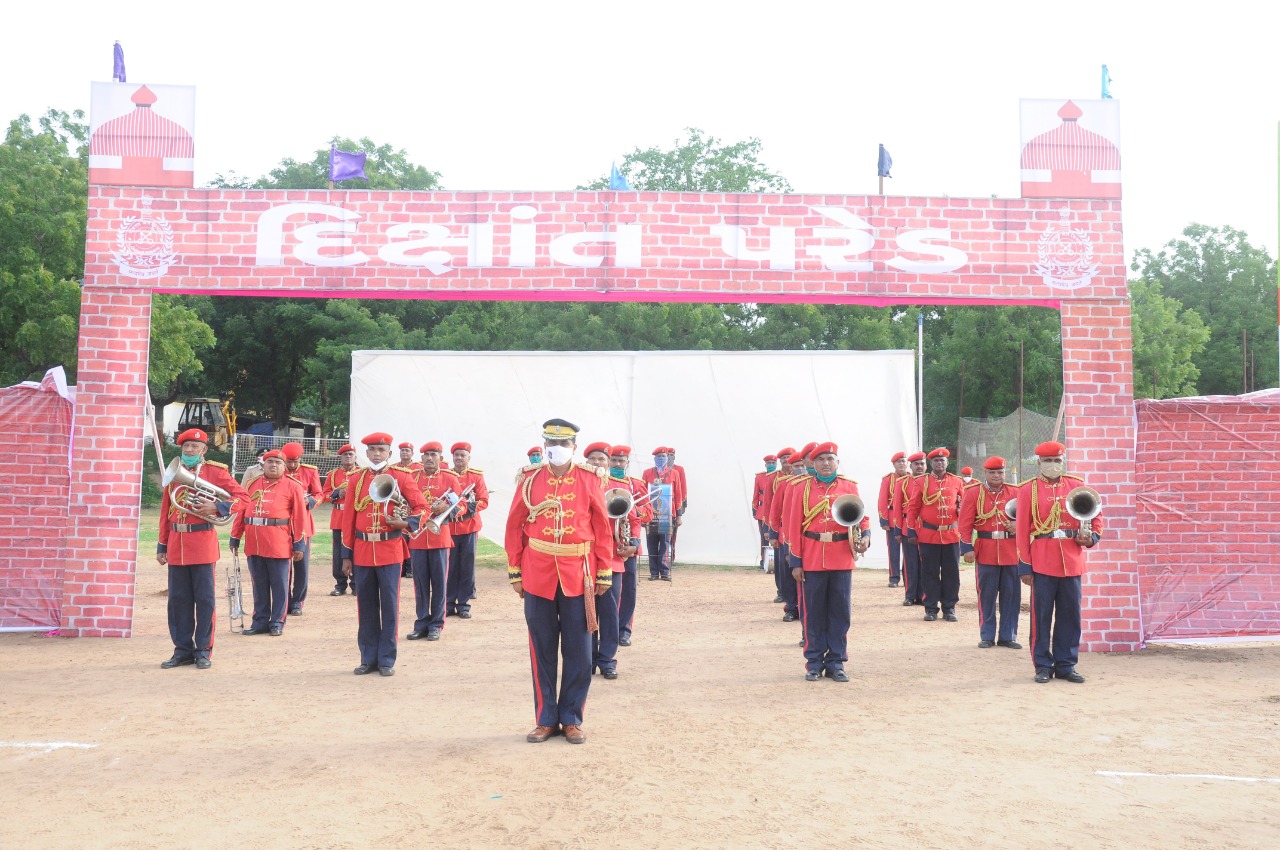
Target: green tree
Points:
(698, 163)
(1215, 272)
(178, 339)
(386, 168)
(1166, 340)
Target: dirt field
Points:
(710, 737)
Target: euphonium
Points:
(848, 510)
(192, 492)
(1084, 504)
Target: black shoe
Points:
(337, 592)
(1012, 644)
(653, 578)
(255, 630)
(365, 668)
(433, 634)
(665, 578)
(788, 617)
(464, 614)
(295, 611)
(204, 664)
(1043, 674)
(177, 661)
(779, 598)
(838, 675)
(416, 635)
(813, 675)
(907, 603)
(893, 583)
(950, 615)
(387, 671)
(609, 674)
(1070, 676)
(986, 644)
(625, 640)
(929, 616)
(276, 631)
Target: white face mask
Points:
(376, 466)
(559, 455)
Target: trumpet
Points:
(1084, 503)
(1011, 509)
(235, 594)
(435, 522)
(193, 494)
(385, 490)
(848, 510)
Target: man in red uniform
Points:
(335, 488)
(272, 524)
(535, 455)
(641, 513)
(406, 457)
(659, 542)
(188, 545)
(757, 502)
(910, 544)
(683, 504)
(884, 507)
(778, 508)
(966, 475)
(1051, 544)
(604, 642)
(372, 549)
(558, 539)
(933, 517)
(771, 535)
(428, 551)
(987, 535)
(308, 478)
(466, 528)
(822, 561)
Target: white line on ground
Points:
(1191, 776)
(46, 746)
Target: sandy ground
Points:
(710, 737)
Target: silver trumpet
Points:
(193, 494)
(848, 510)
(235, 594)
(435, 522)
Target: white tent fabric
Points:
(721, 411)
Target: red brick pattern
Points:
(1207, 472)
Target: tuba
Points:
(1084, 504)
(192, 493)
(848, 510)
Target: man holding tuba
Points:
(1058, 518)
(826, 527)
(987, 535)
(199, 495)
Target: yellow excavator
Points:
(215, 416)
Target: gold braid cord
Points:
(550, 506)
(361, 504)
(984, 516)
(1051, 523)
(810, 514)
(936, 496)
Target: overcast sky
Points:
(544, 95)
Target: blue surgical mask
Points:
(191, 461)
(660, 463)
(770, 467)
(825, 479)
(535, 458)
(614, 472)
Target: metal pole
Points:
(920, 383)
(1021, 367)
(960, 458)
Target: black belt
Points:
(991, 535)
(190, 527)
(262, 520)
(1060, 534)
(827, 536)
(933, 527)
(377, 536)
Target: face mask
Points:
(376, 466)
(1051, 469)
(559, 455)
(614, 472)
(660, 463)
(535, 458)
(191, 461)
(825, 479)
(770, 467)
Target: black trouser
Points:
(340, 581)
(939, 575)
(192, 609)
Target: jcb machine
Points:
(215, 416)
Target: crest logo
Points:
(1065, 258)
(144, 245)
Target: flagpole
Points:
(920, 384)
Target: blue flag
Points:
(886, 162)
(344, 165)
(617, 181)
(117, 70)
(1106, 83)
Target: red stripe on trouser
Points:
(1033, 619)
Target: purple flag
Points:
(117, 70)
(344, 165)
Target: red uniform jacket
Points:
(683, 501)
(905, 486)
(1041, 511)
(757, 495)
(335, 479)
(469, 522)
(272, 521)
(934, 508)
(182, 547)
(770, 489)
(554, 524)
(809, 515)
(308, 478)
(434, 487)
(650, 476)
(781, 505)
(982, 513)
(365, 536)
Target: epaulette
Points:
(215, 463)
(476, 471)
(846, 478)
(599, 471)
(451, 472)
(890, 475)
(403, 469)
(1076, 477)
(971, 483)
(309, 466)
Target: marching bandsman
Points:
(771, 534)
(822, 561)
(335, 488)
(1051, 560)
(884, 507)
(966, 475)
(272, 524)
(677, 517)
(604, 642)
(428, 551)
(659, 542)
(790, 590)
(757, 503)
(188, 546)
(619, 460)
(406, 457)
(557, 539)
(466, 528)
(308, 478)
(372, 549)
(988, 536)
(910, 544)
(933, 517)
(535, 455)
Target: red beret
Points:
(291, 451)
(822, 449)
(596, 447)
(405, 445)
(968, 470)
(783, 454)
(915, 457)
(273, 453)
(432, 446)
(897, 457)
(939, 452)
(1051, 449)
(994, 462)
(671, 449)
(620, 451)
(768, 458)
(192, 434)
(378, 438)
(536, 450)
(660, 450)
(808, 447)
(466, 447)
(347, 448)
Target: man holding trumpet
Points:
(429, 549)
(987, 535)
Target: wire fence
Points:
(1013, 437)
(320, 452)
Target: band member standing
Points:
(372, 549)
(429, 551)
(308, 478)
(535, 455)
(406, 457)
(604, 642)
(462, 557)
(910, 544)
(335, 488)
(1051, 560)
(770, 534)
(757, 503)
(966, 475)
(987, 535)
(557, 541)
(188, 546)
(659, 542)
(677, 518)
(272, 524)
(884, 507)
(777, 521)
(619, 460)
(822, 560)
(933, 515)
